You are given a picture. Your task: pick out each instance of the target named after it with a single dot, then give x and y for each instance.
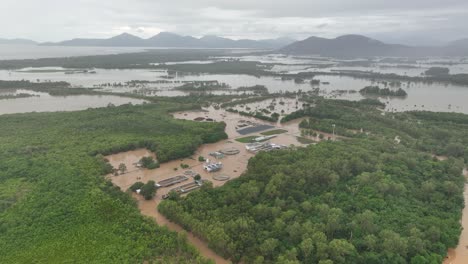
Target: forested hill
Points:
(56, 207)
(362, 46)
(348, 45)
(17, 41)
(372, 198)
(167, 39)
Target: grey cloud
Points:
(389, 20)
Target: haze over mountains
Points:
(343, 46)
(361, 46)
(461, 43)
(166, 39)
(17, 41)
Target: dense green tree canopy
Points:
(56, 206)
(367, 199)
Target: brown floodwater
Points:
(149, 208)
(279, 105)
(233, 166)
(459, 255)
(234, 120)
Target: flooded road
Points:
(459, 255)
(233, 167)
(148, 208)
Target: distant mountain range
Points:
(166, 39)
(361, 46)
(17, 41)
(460, 42)
(343, 46)
(458, 47)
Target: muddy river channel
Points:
(459, 255)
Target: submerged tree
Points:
(136, 186)
(122, 168)
(149, 163)
(148, 190)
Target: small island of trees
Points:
(149, 163)
(375, 90)
(437, 71)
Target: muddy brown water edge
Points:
(233, 166)
(459, 255)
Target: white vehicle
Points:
(213, 167)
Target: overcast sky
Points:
(404, 21)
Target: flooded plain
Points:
(43, 102)
(233, 165)
(279, 105)
(421, 96)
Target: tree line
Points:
(368, 199)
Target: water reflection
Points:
(421, 96)
(43, 102)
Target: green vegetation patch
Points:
(375, 90)
(202, 86)
(223, 67)
(29, 84)
(149, 163)
(248, 139)
(69, 212)
(11, 191)
(138, 60)
(258, 89)
(437, 71)
(302, 206)
(16, 96)
(304, 140)
(378, 197)
(274, 132)
(259, 115)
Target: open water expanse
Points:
(421, 96)
(20, 52)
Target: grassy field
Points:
(248, 139)
(274, 132)
(304, 140)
